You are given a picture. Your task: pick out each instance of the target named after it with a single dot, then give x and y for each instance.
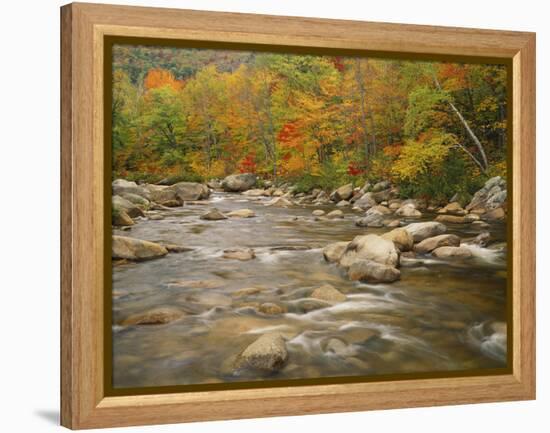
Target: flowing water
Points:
(443, 315)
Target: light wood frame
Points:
(83, 402)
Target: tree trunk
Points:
(468, 129)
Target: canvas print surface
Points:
(281, 216)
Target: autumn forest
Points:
(432, 129)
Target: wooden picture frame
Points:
(84, 28)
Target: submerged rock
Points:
(213, 215)
(242, 254)
(135, 249)
(271, 308)
(242, 213)
(268, 353)
(156, 316)
(328, 293)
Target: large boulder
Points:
(121, 204)
(370, 247)
(268, 353)
(402, 239)
(239, 182)
(122, 186)
(421, 231)
(372, 272)
(328, 293)
(333, 252)
(430, 244)
(190, 191)
(383, 195)
(491, 196)
(495, 214)
(444, 252)
(163, 195)
(136, 249)
(345, 192)
(138, 200)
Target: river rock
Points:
(246, 291)
(480, 224)
(430, 244)
(337, 213)
(343, 193)
(372, 220)
(190, 191)
(482, 239)
(494, 215)
(213, 215)
(242, 213)
(471, 217)
(121, 218)
(333, 252)
(268, 353)
(343, 203)
(453, 219)
(378, 209)
(121, 204)
(156, 316)
(242, 254)
(380, 186)
(174, 248)
(444, 252)
(318, 212)
(392, 223)
(421, 231)
(256, 193)
(381, 196)
(271, 308)
(279, 202)
(408, 210)
(122, 186)
(453, 208)
(366, 201)
(138, 200)
(135, 249)
(402, 239)
(163, 195)
(328, 293)
(370, 247)
(239, 182)
(373, 272)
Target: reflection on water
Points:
(441, 315)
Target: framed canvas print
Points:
(269, 216)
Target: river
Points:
(440, 316)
